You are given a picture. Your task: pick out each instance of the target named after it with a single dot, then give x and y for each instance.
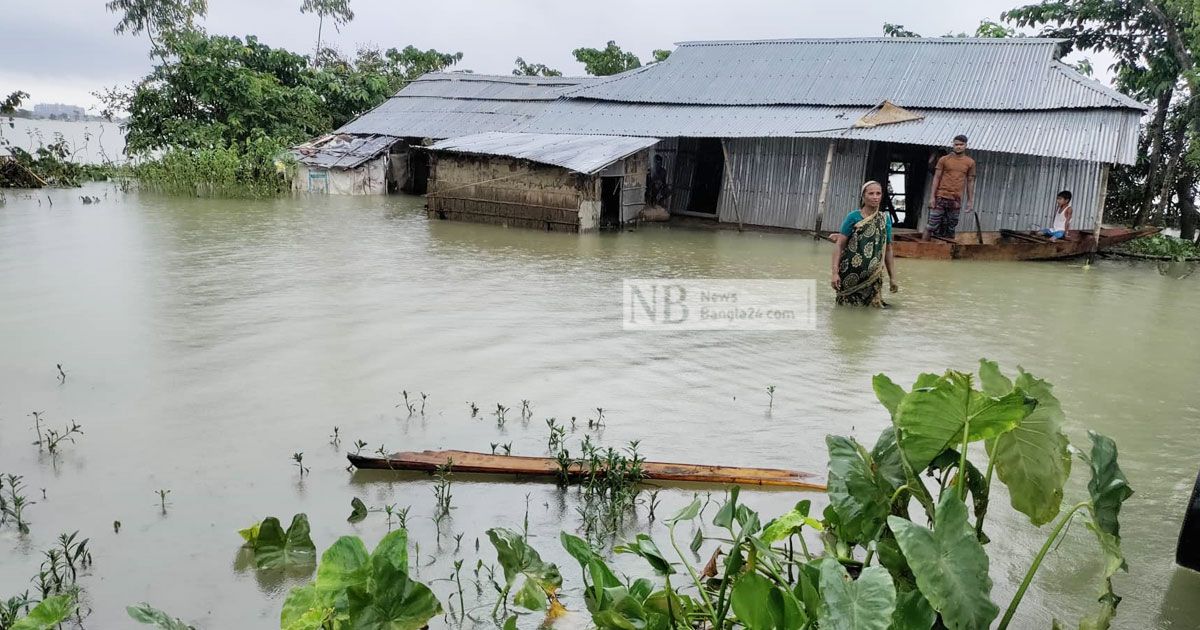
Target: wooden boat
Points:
(483, 463)
(1011, 244)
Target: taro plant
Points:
(274, 548)
(48, 614)
(144, 613)
(441, 489)
(354, 589)
(540, 580)
(880, 567)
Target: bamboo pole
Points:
(821, 200)
(1099, 213)
(732, 186)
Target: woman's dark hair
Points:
(1065, 194)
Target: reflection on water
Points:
(208, 340)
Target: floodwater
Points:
(206, 341)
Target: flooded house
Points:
(372, 153)
(782, 133)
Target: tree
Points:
(610, 60)
(1148, 67)
(534, 69)
(156, 17)
(660, 55)
(897, 30)
(338, 10)
(12, 102)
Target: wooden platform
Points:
(483, 463)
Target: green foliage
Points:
(866, 603)
(354, 590)
(659, 54)
(761, 604)
(156, 16)
(541, 579)
(274, 548)
(257, 168)
(950, 565)
(146, 614)
(897, 30)
(526, 69)
(857, 494)
(934, 418)
(607, 61)
(1163, 245)
(1108, 487)
(12, 102)
(49, 613)
(339, 10)
(1032, 459)
(791, 523)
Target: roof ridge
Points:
(897, 40)
(1092, 84)
(497, 78)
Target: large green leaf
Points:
(886, 456)
(274, 548)
(994, 382)
(393, 550)
(760, 604)
(1108, 485)
(790, 523)
(48, 613)
(518, 559)
(147, 614)
(857, 494)
(888, 393)
(394, 602)
(1032, 459)
(913, 612)
(301, 601)
(358, 510)
(932, 419)
(950, 565)
(344, 564)
(863, 604)
(644, 546)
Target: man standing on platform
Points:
(954, 177)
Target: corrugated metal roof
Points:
(582, 154)
(1100, 135)
(447, 105)
(491, 87)
(433, 117)
(948, 73)
(342, 151)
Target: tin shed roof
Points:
(582, 154)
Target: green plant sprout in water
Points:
(359, 445)
(441, 489)
(526, 410)
(500, 411)
(275, 548)
(424, 397)
(598, 421)
(298, 459)
(162, 499)
(407, 404)
(62, 375)
(770, 397)
(54, 438)
(335, 439)
(474, 410)
(37, 426)
(146, 614)
(13, 502)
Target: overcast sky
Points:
(62, 50)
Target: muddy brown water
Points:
(205, 341)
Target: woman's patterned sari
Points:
(861, 267)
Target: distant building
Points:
(59, 111)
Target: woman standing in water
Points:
(862, 250)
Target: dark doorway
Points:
(418, 163)
(706, 184)
(610, 202)
(904, 171)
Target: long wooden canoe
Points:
(483, 463)
(1012, 244)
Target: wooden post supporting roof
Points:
(821, 201)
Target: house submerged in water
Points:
(777, 133)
